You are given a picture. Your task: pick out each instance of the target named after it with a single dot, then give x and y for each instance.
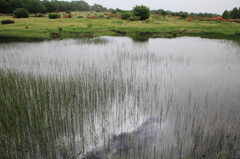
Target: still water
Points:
(167, 98)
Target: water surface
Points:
(163, 97)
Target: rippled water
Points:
(166, 97)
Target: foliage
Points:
(41, 15)
(234, 14)
(89, 25)
(79, 6)
(163, 13)
(7, 21)
(134, 18)
(68, 11)
(34, 6)
(98, 8)
(225, 14)
(125, 15)
(67, 16)
(183, 15)
(54, 16)
(20, 13)
(142, 11)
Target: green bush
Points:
(134, 18)
(20, 13)
(183, 16)
(80, 16)
(89, 25)
(54, 16)
(41, 15)
(68, 11)
(125, 15)
(141, 11)
(7, 21)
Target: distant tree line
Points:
(180, 13)
(43, 6)
(233, 14)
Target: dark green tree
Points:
(225, 14)
(238, 13)
(183, 15)
(163, 13)
(83, 6)
(3, 6)
(34, 6)
(52, 6)
(141, 11)
(96, 7)
(234, 13)
(63, 5)
(11, 5)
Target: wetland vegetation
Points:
(117, 97)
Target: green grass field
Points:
(41, 27)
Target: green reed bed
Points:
(59, 115)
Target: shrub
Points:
(107, 18)
(125, 15)
(7, 21)
(68, 11)
(134, 18)
(183, 15)
(141, 11)
(54, 16)
(89, 25)
(80, 17)
(41, 15)
(59, 29)
(67, 16)
(20, 13)
(114, 12)
(237, 21)
(101, 16)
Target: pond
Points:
(120, 97)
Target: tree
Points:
(3, 6)
(51, 6)
(238, 14)
(21, 13)
(234, 13)
(96, 7)
(225, 14)
(34, 6)
(163, 13)
(141, 11)
(183, 15)
(63, 5)
(12, 5)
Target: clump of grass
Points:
(89, 25)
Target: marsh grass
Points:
(72, 109)
(69, 25)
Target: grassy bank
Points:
(42, 27)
